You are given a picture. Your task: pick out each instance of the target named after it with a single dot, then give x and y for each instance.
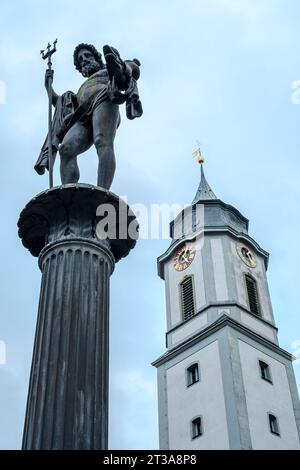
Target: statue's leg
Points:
(106, 118)
(76, 141)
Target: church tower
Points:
(224, 382)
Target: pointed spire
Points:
(204, 191)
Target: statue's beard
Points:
(90, 68)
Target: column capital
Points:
(74, 212)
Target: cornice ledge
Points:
(223, 321)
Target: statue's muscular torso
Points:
(95, 83)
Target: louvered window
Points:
(187, 298)
(252, 295)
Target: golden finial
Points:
(197, 153)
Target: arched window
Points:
(187, 298)
(252, 295)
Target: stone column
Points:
(67, 405)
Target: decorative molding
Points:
(70, 243)
(225, 305)
(222, 322)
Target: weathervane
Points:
(47, 54)
(197, 153)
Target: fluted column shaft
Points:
(68, 392)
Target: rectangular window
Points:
(196, 428)
(192, 374)
(274, 427)
(252, 295)
(265, 371)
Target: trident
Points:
(46, 54)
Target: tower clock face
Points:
(246, 255)
(184, 257)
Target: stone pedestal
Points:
(67, 405)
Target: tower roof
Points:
(204, 191)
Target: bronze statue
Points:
(92, 115)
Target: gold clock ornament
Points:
(183, 257)
(246, 255)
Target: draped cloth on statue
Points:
(65, 105)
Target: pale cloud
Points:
(2, 92)
(2, 352)
(134, 381)
(252, 10)
(133, 411)
(12, 416)
(12, 56)
(260, 21)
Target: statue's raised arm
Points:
(49, 74)
(92, 115)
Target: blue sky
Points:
(220, 71)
